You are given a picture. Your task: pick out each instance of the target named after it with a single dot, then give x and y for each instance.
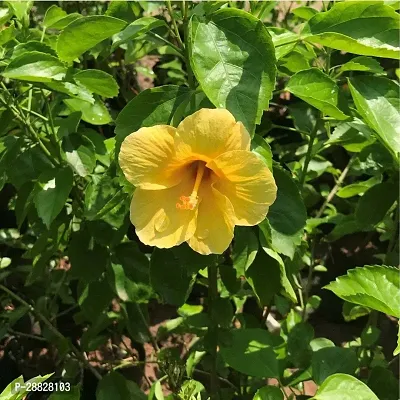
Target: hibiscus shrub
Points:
(200, 200)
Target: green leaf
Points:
(113, 386)
(35, 67)
(20, 9)
(354, 136)
(298, 344)
(352, 311)
(73, 394)
(169, 277)
(72, 90)
(293, 62)
(151, 107)
(7, 34)
(372, 286)
(137, 321)
(191, 260)
(383, 383)
(101, 197)
(362, 63)
(62, 23)
(375, 203)
(53, 14)
(287, 214)
(245, 248)
(52, 191)
(344, 387)
(397, 349)
(278, 241)
(264, 277)
(67, 126)
(304, 12)
(251, 351)
(268, 393)
(331, 360)
(5, 16)
(378, 101)
(127, 284)
(236, 71)
(318, 89)
(284, 41)
(266, 271)
(363, 27)
(98, 82)
(84, 33)
(94, 298)
(33, 45)
(95, 114)
(27, 166)
(122, 9)
(88, 259)
(135, 29)
(117, 281)
(79, 153)
(262, 149)
(136, 264)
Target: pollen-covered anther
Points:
(190, 202)
(187, 203)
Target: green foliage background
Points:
(316, 85)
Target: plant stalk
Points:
(307, 160)
(191, 80)
(334, 190)
(213, 328)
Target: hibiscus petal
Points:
(147, 158)
(248, 184)
(157, 220)
(215, 222)
(208, 133)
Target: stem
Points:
(288, 128)
(213, 328)
(174, 24)
(26, 335)
(327, 69)
(308, 284)
(191, 80)
(392, 241)
(167, 42)
(332, 193)
(201, 372)
(143, 318)
(27, 125)
(52, 329)
(313, 135)
(43, 33)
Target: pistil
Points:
(190, 202)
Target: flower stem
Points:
(213, 328)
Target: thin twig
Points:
(334, 190)
(174, 24)
(201, 372)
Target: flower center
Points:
(190, 202)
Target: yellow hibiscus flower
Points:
(196, 182)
